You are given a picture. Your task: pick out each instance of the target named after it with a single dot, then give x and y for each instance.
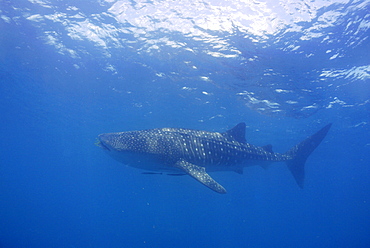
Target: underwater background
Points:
(71, 70)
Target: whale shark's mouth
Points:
(101, 145)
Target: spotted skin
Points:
(194, 152)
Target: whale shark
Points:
(178, 151)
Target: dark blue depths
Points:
(57, 189)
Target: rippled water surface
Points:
(71, 70)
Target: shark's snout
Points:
(103, 142)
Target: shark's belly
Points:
(228, 163)
(148, 162)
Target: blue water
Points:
(71, 70)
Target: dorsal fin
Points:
(268, 148)
(237, 133)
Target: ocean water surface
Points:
(71, 70)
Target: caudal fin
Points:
(300, 153)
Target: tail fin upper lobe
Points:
(300, 153)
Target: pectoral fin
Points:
(200, 174)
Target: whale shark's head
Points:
(125, 147)
(120, 142)
(131, 148)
